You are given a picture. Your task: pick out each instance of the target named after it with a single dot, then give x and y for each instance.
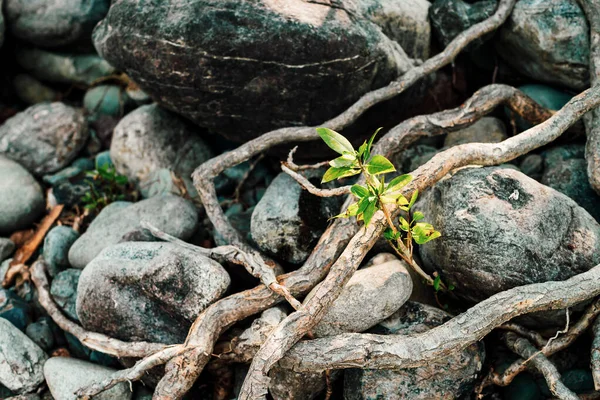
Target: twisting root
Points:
(182, 372)
(92, 340)
(219, 316)
(296, 325)
(592, 121)
(305, 183)
(537, 360)
(547, 349)
(131, 374)
(359, 350)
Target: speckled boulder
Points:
(21, 360)
(53, 23)
(44, 138)
(288, 221)
(236, 66)
(171, 214)
(66, 375)
(547, 40)
(446, 379)
(502, 229)
(151, 138)
(147, 291)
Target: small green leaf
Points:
(389, 234)
(337, 173)
(370, 211)
(367, 154)
(387, 199)
(335, 141)
(436, 283)
(379, 165)
(404, 225)
(401, 200)
(121, 180)
(361, 150)
(341, 162)
(451, 287)
(363, 204)
(424, 232)
(413, 198)
(418, 215)
(398, 183)
(359, 191)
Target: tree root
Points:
(538, 361)
(548, 348)
(356, 350)
(296, 325)
(219, 316)
(592, 121)
(92, 340)
(182, 372)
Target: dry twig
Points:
(537, 360)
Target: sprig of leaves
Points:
(106, 186)
(375, 194)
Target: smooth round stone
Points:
(105, 100)
(21, 360)
(6, 248)
(45, 137)
(64, 291)
(57, 243)
(14, 309)
(66, 375)
(21, 197)
(53, 23)
(41, 333)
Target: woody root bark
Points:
(342, 248)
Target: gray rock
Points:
(151, 138)
(230, 80)
(250, 340)
(532, 166)
(57, 243)
(449, 18)
(6, 248)
(369, 297)
(107, 100)
(288, 221)
(14, 309)
(47, 66)
(450, 378)
(21, 360)
(66, 375)
(406, 22)
(240, 219)
(44, 138)
(53, 23)
(147, 291)
(486, 130)
(566, 171)
(64, 291)
(21, 197)
(529, 42)
(412, 158)
(41, 333)
(502, 229)
(171, 214)
(32, 91)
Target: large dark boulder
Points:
(502, 229)
(244, 67)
